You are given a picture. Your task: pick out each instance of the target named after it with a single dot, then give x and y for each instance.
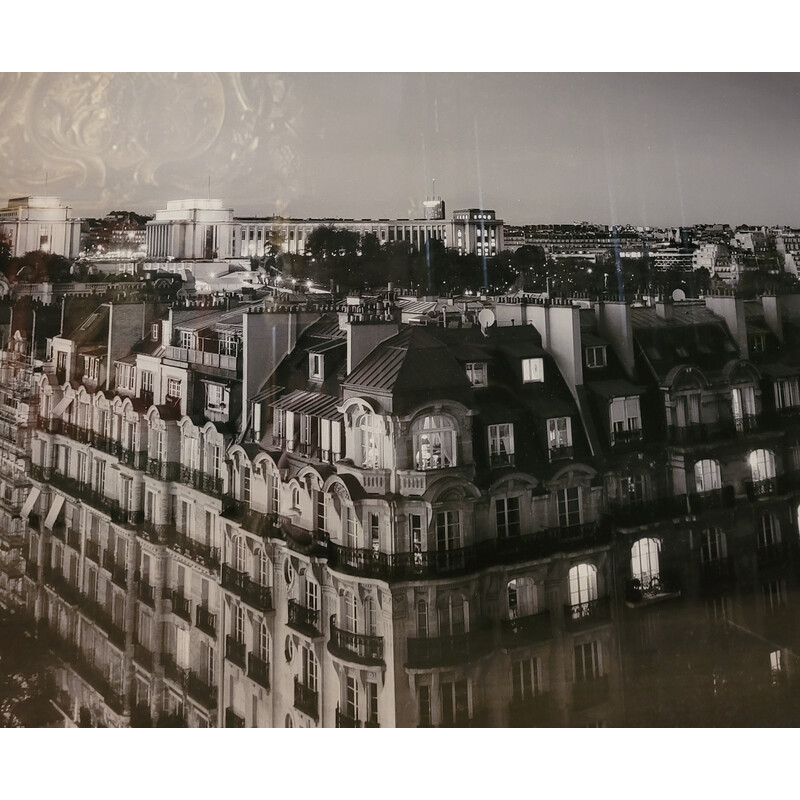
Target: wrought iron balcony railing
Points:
(306, 699)
(358, 647)
(258, 670)
(442, 651)
(528, 628)
(206, 621)
(304, 619)
(201, 690)
(235, 651)
(345, 720)
(203, 554)
(591, 612)
(232, 719)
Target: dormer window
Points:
(126, 376)
(217, 397)
(501, 444)
(533, 370)
(316, 366)
(477, 374)
(155, 328)
(186, 339)
(559, 437)
(173, 389)
(626, 419)
(757, 343)
(596, 357)
(92, 368)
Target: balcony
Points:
(66, 590)
(560, 453)
(647, 589)
(32, 570)
(143, 656)
(240, 583)
(118, 573)
(208, 360)
(497, 460)
(527, 629)
(103, 618)
(40, 473)
(357, 647)
(235, 651)
(201, 691)
(304, 619)
(49, 425)
(163, 470)
(206, 621)
(93, 675)
(77, 433)
(203, 554)
(359, 561)
(147, 594)
(208, 484)
(157, 533)
(345, 721)
(232, 719)
(413, 483)
(258, 670)
(173, 672)
(624, 438)
(550, 541)
(445, 651)
(306, 699)
(588, 693)
(592, 612)
(531, 712)
(700, 502)
(747, 423)
(60, 531)
(135, 459)
(181, 606)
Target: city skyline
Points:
(642, 149)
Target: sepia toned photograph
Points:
(399, 400)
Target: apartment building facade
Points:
(267, 517)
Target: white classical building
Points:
(40, 223)
(191, 229)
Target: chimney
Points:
(731, 309)
(367, 327)
(614, 323)
(665, 309)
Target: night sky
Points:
(646, 149)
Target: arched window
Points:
(289, 721)
(262, 649)
(762, 465)
(295, 497)
(453, 616)
(523, 598)
(434, 439)
(264, 568)
(349, 612)
(582, 588)
(707, 475)
(644, 561)
(370, 435)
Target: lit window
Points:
(582, 588)
(644, 562)
(707, 475)
(501, 444)
(757, 343)
(769, 532)
(523, 598)
(476, 372)
(215, 396)
(532, 370)
(434, 442)
(776, 665)
(762, 465)
(626, 420)
(743, 403)
(786, 393)
(595, 357)
(559, 434)
(569, 507)
(687, 409)
(370, 430)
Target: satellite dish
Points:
(486, 318)
(678, 295)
